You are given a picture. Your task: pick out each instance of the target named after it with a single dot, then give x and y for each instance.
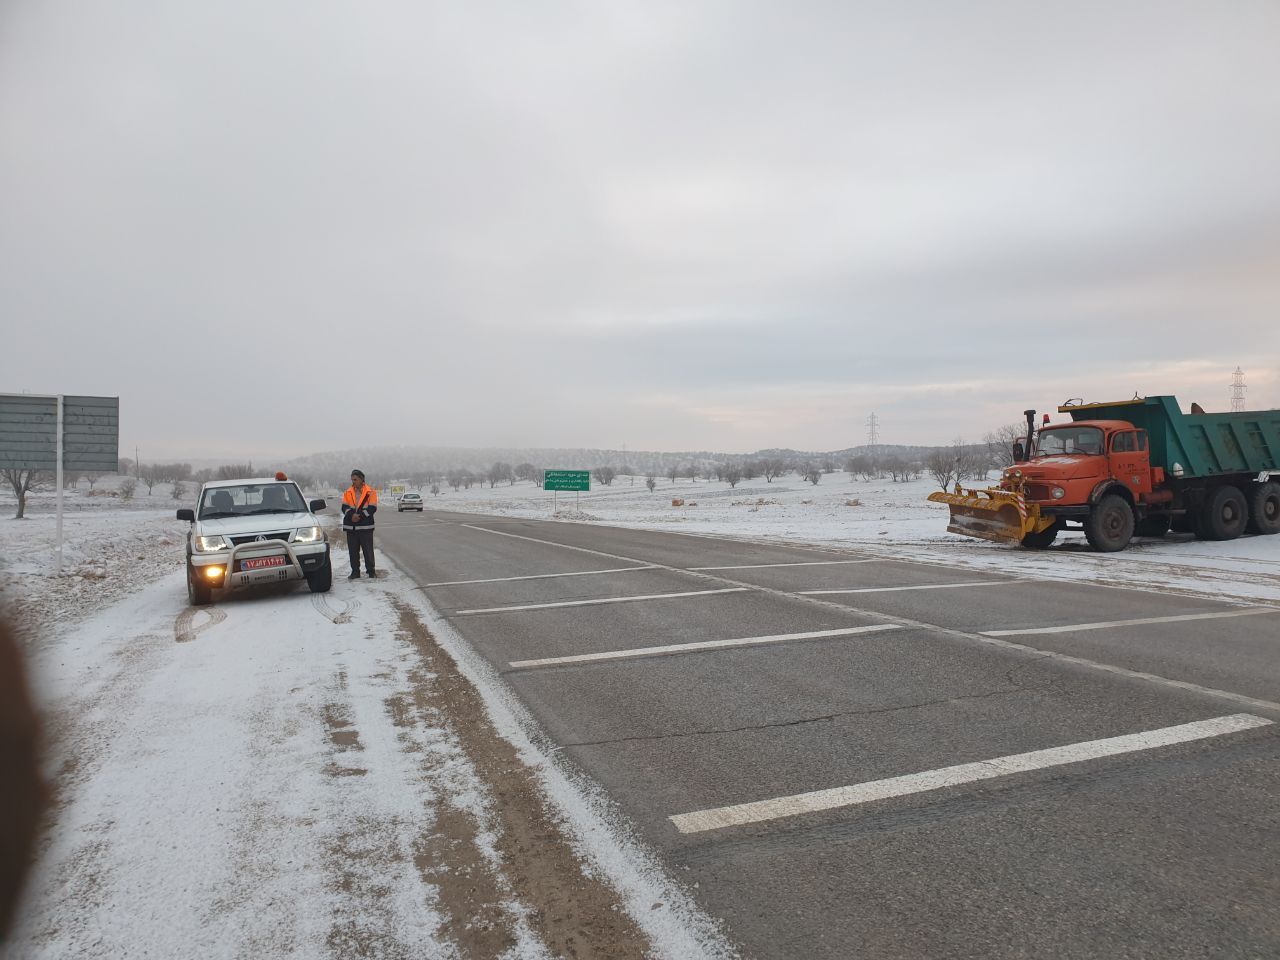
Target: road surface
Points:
(847, 755)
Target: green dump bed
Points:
(1205, 444)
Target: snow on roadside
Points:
(251, 779)
(892, 520)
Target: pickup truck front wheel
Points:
(1110, 526)
(319, 581)
(198, 592)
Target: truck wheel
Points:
(1041, 540)
(1264, 509)
(1152, 527)
(319, 581)
(1223, 515)
(198, 593)
(1110, 526)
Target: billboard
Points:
(29, 433)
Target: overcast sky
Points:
(276, 228)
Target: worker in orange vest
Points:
(359, 504)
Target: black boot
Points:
(355, 575)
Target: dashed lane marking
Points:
(1108, 624)
(719, 817)
(921, 586)
(539, 576)
(801, 563)
(702, 645)
(601, 600)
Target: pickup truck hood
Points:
(262, 523)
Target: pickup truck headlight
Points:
(307, 535)
(1058, 493)
(211, 544)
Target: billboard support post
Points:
(58, 481)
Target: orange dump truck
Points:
(1136, 467)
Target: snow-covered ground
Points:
(892, 519)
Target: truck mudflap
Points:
(1002, 516)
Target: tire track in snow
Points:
(185, 628)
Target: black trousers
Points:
(357, 540)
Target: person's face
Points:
(357, 482)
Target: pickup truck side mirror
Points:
(187, 515)
(1019, 454)
(316, 506)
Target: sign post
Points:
(557, 480)
(52, 433)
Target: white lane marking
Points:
(1106, 624)
(719, 817)
(589, 603)
(923, 586)
(804, 563)
(703, 645)
(1239, 699)
(539, 576)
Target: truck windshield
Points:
(251, 498)
(1069, 440)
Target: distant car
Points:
(410, 501)
(254, 531)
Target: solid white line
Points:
(702, 645)
(925, 586)
(1106, 624)
(718, 817)
(589, 603)
(805, 563)
(538, 576)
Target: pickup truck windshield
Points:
(1069, 440)
(250, 499)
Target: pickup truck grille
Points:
(252, 537)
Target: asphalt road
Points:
(835, 795)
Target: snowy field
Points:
(215, 770)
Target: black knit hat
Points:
(358, 473)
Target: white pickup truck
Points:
(254, 531)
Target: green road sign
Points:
(566, 480)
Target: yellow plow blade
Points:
(999, 515)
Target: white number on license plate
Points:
(258, 563)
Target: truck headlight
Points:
(307, 535)
(211, 544)
(1058, 493)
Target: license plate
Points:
(259, 563)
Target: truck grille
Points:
(253, 537)
(1039, 492)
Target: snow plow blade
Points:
(998, 515)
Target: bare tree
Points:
(772, 467)
(1000, 443)
(499, 471)
(127, 486)
(179, 486)
(811, 472)
(23, 482)
(941, 464)
(673, 471)
(650, 481)
(750, 470)
(732, 475)
(230, 471)
(604, 475)
(93, 477)
(435, 489)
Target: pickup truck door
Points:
(1131, 461)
